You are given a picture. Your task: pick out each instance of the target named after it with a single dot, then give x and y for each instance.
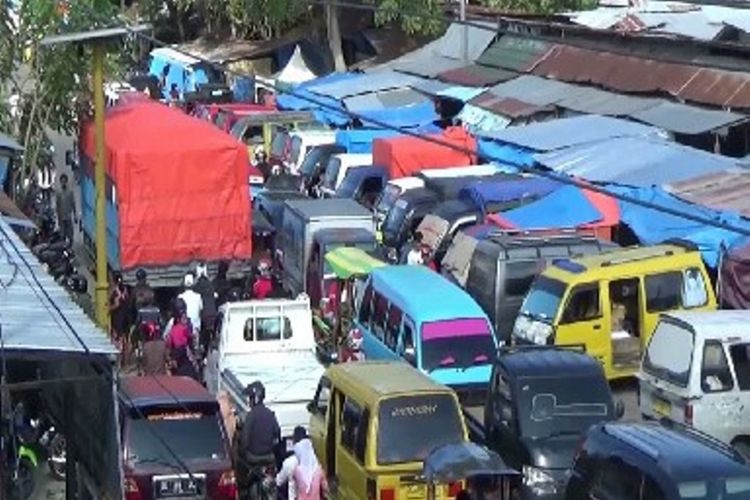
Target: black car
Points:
(174, 444)
(656, 461)
(541, 402)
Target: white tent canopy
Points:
(296, 70)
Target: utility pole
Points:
(98, 39)
(464, 31)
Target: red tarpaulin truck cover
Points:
(181, 186)
(405, 155)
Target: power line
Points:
(561, 178)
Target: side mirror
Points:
(410, 356)
(619, 409)
(311, 407)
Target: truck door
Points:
(315, 275)
(321, 413)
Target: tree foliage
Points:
(44, 87)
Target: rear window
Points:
(410, 427)
(295, 149)
(670, 353)
(733, 488)
(481, 279)
(279, 144)
(161, 435)
(543, 299)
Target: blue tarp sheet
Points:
(298, 103)
(406, 116)
(359, 140)
(505, 154)
(482, 193)
(652, 226)
(563, 208)
(655, 162)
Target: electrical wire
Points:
(561, 178)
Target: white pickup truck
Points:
(271, 341)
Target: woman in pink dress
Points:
(309, 475)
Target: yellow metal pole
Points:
(102, 288)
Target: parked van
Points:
(412, 313)
(612, 301)
(336, 169)
(696, 370)
(373, 423)
(502, 267)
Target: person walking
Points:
(118, 309)
(193, 304)
(65, 205)
(155, 358)
(205, 288)
(289, 465)
(222, 285)
(309, 476)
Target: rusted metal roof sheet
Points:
(632, 74)
(685, 119)
(725, 190)
(508, 106)
(477, 75)
(514, 53)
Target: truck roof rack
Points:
(536, 347)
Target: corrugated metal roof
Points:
(508, 106)
(28, 317)
(566, 132)
(633, 74)
(685, 119)
(7, 142)
(430, 66)
(725, 190)
(476, 75)
(431, 87)
(533, 90)
(394, 98)
(514, 53)
(635, 160)
(479, 39)
(477, 119)
(363, 84)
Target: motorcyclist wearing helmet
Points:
(260, 432)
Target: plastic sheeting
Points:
(297, 101)
(296, 70)
(404, 156)
(359, 140)
(636, 161)
(652, 226)
(407, 116)
(566, 207)
(505, 154)
(483, 193)
(477, 119)
(181, 186)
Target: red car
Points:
(170, 424)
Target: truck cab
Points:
(271, 341)
(363, 184)
(336, 169)
(301, 142)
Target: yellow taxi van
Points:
(610, 302)
(374, 422)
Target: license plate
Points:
(661, 407)
(415, 491)
(178, 488)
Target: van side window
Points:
(740, 354)
(393, 327)
(583, 304)
(365, 308)
(350, 418)
(322, 397)
(519, 275)
(408, 343)
(615, 480)
(379, 316)
(663, 291)
(360, 444)
(694, 289)
(715, 374)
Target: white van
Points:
(336, 169)
(302, 141)
(696, 370)
(395, 187)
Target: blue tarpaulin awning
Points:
(297, 102)
(636, 161)
(483, 193)
(359, 140)
(563, 208)
(505, 154)
(653, 226)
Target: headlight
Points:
(521, 326)
(539, 481)
(539, 332)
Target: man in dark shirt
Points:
(66, 208)
(260, 430)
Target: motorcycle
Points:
(21, 458)
(262, 480)
(53, 443)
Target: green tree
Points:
(48, 86)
